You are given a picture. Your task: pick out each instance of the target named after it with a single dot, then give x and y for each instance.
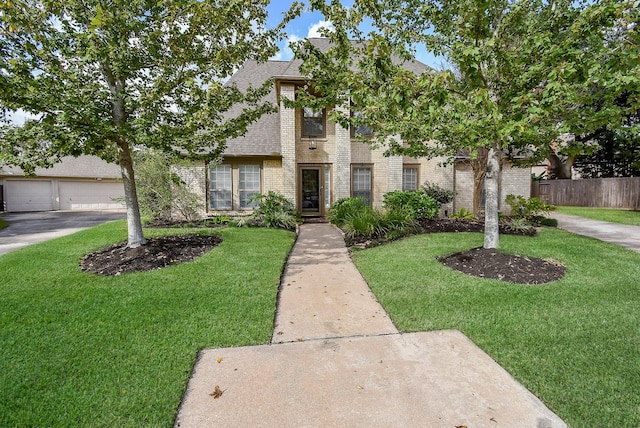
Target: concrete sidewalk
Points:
(621, 234)
(336, 360)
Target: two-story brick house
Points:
(314, 162)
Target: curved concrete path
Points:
(336, 360)
(621, 234)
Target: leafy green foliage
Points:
(518, 225)
(415, 203)
(517, 78)
(528, 209)
(162, 193)
(344, 207)
(273, 210)
(441, 195)
(101, 80)
(3, 224)
(463, 214)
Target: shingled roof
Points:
(263, 137)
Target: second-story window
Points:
(361, 129)
(313, 122)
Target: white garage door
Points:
(89, 195)
(29, 195)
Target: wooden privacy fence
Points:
(622, 192)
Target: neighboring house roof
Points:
(263, 137)
(69, 166)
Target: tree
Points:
(104, 76)
(520, 75)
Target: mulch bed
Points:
(485, 263)
(168, 250)
(155, 254)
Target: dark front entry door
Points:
(311, 188)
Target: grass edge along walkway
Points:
(612, 215)
(81, 349)
(574, 342)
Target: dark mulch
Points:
(461, 225)
(155, 254)
(486, 263)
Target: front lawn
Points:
(604, 214)
(80, 349)
(575, 342)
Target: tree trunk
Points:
(134, 224)
(479, 169)
(120, 116)
(491, 221)
(558, 168)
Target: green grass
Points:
(575, 343)
(3, 224)
(604, 214)
(80, 349)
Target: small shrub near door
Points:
(415, 203)
(273, 210)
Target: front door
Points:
(311, 192)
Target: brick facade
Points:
(283, 152)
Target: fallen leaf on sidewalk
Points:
(217, 392)
(299, 339)
(219, 360)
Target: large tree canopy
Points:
(100, 77)
(521, 74)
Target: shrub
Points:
(526, 208)
(463, 214)
(518, 225)
(344, 207)
(547, 221)
(161, 191)
(441, 195)
(272, 210)
(417, 204)
(365, 222)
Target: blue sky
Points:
(308, 23)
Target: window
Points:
(220, 187)
(312, 122)
(410, 178)
(362, 130)
(361, 183)
(231, 186)
(249, 185)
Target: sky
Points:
(308, 24)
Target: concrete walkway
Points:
(336, 360)
(615, 233)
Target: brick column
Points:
(288, 143)
(342, 163)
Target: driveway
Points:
(30, 228)
(621, 234)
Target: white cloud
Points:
(19, 117)
(314, 30)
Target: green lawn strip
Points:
(575, 343)
(81, 349)
(605, 214)
(3, 224)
